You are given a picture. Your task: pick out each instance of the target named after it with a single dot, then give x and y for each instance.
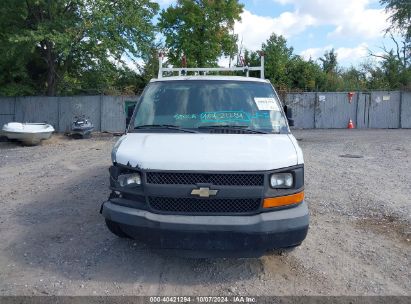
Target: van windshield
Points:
(207, 104)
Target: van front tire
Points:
(116, 229)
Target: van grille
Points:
(204, 178)
(195, 205)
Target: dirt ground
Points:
(53, 241)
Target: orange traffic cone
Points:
(350, 125)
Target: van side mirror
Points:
(289, 114)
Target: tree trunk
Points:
(51, 80)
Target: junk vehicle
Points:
(81, 127)
(209, 165)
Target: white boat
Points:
(28, 133)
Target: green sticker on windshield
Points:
(223, 116)
(185, 116)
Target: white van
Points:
(209, 165)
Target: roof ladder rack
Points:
(183, 71)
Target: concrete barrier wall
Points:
(380, 109)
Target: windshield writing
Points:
(199, 103)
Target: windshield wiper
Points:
(168, 127)
(246, 129)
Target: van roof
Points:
(224, 78)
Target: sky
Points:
(351, 27)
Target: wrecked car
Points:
(209, 165)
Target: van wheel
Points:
(115, 229)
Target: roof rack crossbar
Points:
(183, 71)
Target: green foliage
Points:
(305, 75)
(63, 46)
(150, 69)
(201, 30)
(278, 56)
(400, 16)
(290, 72)
(66, 47)
(251, 59)
(353, 79)
(329, 62)
(375, 77)
(285, 69)
(396, 63)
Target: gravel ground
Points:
(53, 241)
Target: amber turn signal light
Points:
(283, 200)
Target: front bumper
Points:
(247, 235)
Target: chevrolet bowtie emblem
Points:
(204, 192)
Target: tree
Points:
(375, 77)
(353, 79)
(249, 58)
(333, 80)
(58, 42)
(396, 63)
(286, 70)
(278, 56)
(150, 69)
(329, 62)
(305, 75)
(201, 30)
(400, 16)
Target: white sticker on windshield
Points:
(266, 104)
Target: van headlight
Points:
(129, 179)
(281, 180)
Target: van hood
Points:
(207, 152)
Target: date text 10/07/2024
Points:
(197, 299)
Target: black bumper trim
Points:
(254, 233)
(217, 241)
